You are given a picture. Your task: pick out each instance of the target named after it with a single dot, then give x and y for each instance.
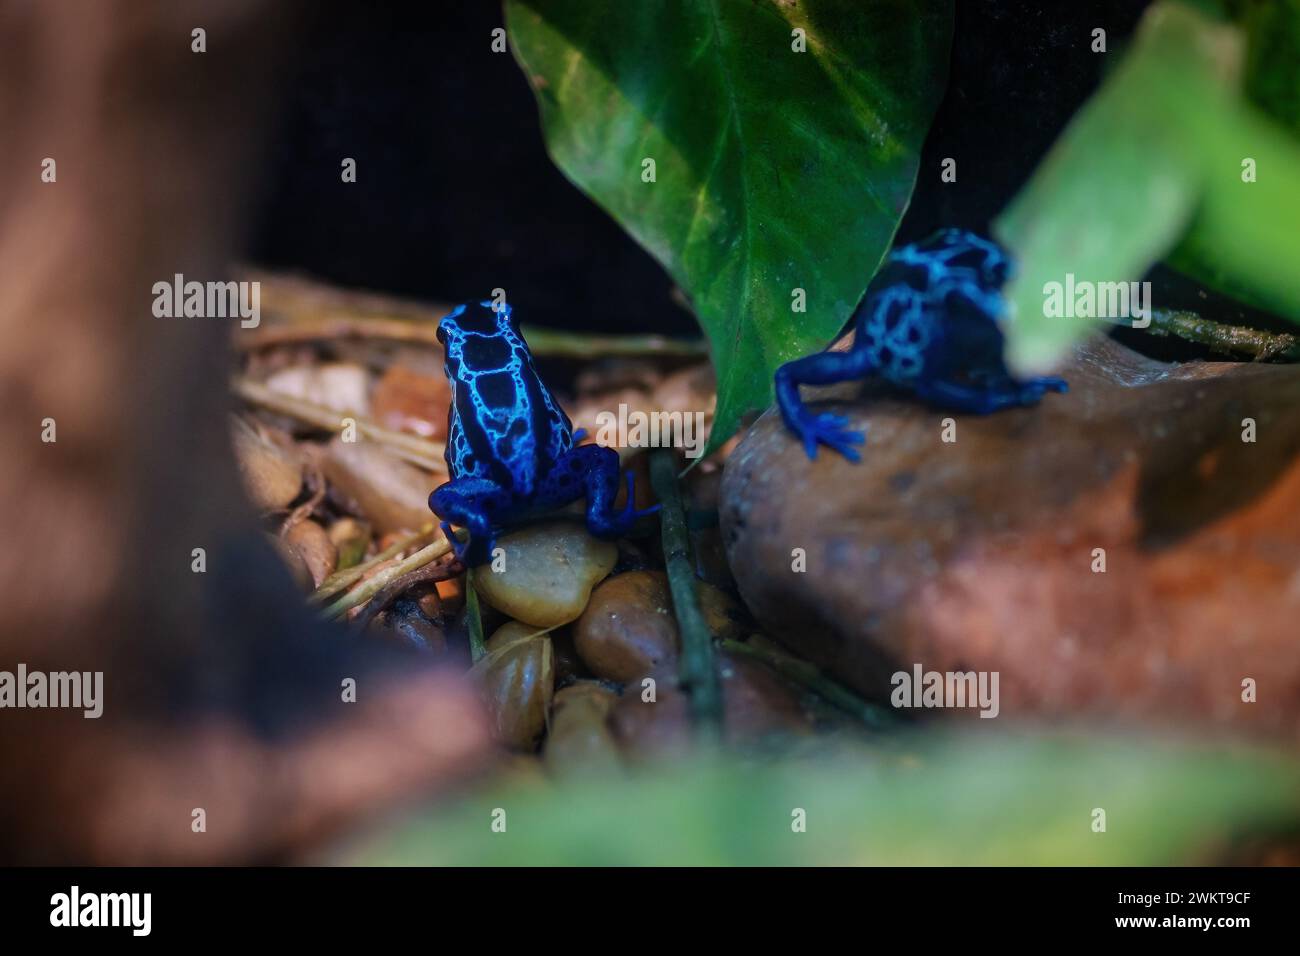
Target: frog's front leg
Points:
(824, 368)
(594, 470)
(471, 503)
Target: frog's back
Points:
(505, 426)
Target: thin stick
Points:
(419, 451)
(1255, 344)
(372, 586)
(427, 574)
(314, 311)
(340, 580)
(807, 675)
(697, 673)
(544, 342)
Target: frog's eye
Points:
(442, 335)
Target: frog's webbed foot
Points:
(829, 430)
(595, 469)
(623, 521)
(467, 552)
(812, 428)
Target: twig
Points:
(341, 580)
(1255, 344)
(372, 586)
(429, 573)
(697, 673)
(806, 674)
(313, 311)
(419, 451)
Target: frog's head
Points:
(478, 337)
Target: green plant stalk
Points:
(1255, 344)
(362, 594)
(342, 580)
(697, 673)
(806, 675)
(474, 621)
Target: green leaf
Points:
(966, 801)
(774, 170)
(1152, 160)
(1273, 58)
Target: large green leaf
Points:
(774, 170)
(1152, 166)
(962, 801)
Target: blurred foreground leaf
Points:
(1155, 157)
(775, 169)
(960, 801)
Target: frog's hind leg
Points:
(594, 469)
(824, 368)
(988, 398)
(476, 504)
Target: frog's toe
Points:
(630, 510)
(830, 430)
(1034, 389)
(470, 552)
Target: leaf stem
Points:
(807, 675)
(1255, 344)
(697, 672)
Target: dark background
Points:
(455, 194)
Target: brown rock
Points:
(518, 681)
(547, 572)
(978, 554)
(580, 739)
(756, 704)
(628, 630)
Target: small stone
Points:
(628, 630)
(580, 739)
(517, 678)
(757, 704)
(549, 571)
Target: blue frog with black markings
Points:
(929, 323)
(510, 447)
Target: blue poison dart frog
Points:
(928, 323)
(510, 447)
